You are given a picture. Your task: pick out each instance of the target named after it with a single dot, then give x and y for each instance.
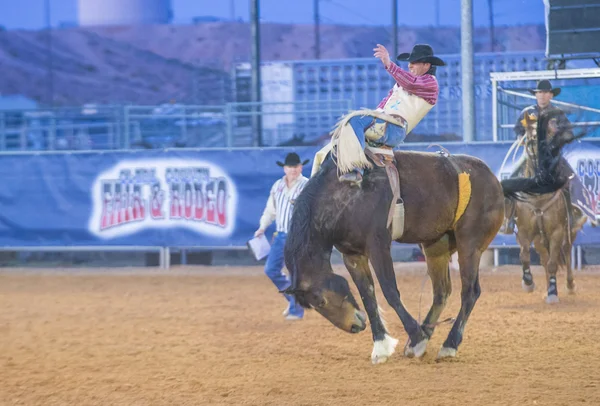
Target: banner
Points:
(179, 198)
(171, 198)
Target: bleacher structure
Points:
(364, 82)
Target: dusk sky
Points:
(29, 14)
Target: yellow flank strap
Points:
(464, 195)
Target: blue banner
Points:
(177, 198)
(174, 198)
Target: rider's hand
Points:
(259, 232)
(383, 54)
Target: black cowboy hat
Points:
(545, 86)
(292, 159)
(421, 53)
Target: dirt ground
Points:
(211, 336)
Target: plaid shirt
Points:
(424, 86)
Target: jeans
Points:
(273, 269)
(394, 135)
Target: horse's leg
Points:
(468, 259)
(383, 345)
(546, 262)
(525, 257)
(556, 245)
(567, 257)
(571, 234)
(381, 258)
(437, 256)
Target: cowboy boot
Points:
(353, 177)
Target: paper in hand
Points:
(259, 246)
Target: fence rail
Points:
(168, 126)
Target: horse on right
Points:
(544, 219)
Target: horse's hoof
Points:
(571, 289)
(383, 349)
(551, 299)
(446, 352)
(418, 350)
(527, 288)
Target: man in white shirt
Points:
(279, 208)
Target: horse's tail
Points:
(349, 152)
(511, 187)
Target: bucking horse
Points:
(446, 203)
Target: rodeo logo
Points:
(136, 195)
(587, 167)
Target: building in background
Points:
(124, 12)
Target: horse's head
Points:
(331, 297)
(547, 127)
(308, 258)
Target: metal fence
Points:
(578, 98)
(302, 101)
(365, 82)
(168, 126)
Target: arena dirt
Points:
(206, 336)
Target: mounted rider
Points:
(579, 201)
(413, 95)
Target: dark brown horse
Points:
(329, 213)
(544, 220)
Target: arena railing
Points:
(168, 126)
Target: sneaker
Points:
(293, 317)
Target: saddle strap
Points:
(384, 157)
(541, 210)
(394, 178)
(539, 215)
(382, 151)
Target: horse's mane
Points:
(299, 235)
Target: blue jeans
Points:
(273, 269)
(394, 135)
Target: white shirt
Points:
(280, 204)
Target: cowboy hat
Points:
(292, 159)
(421, 53)
(545, 86)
